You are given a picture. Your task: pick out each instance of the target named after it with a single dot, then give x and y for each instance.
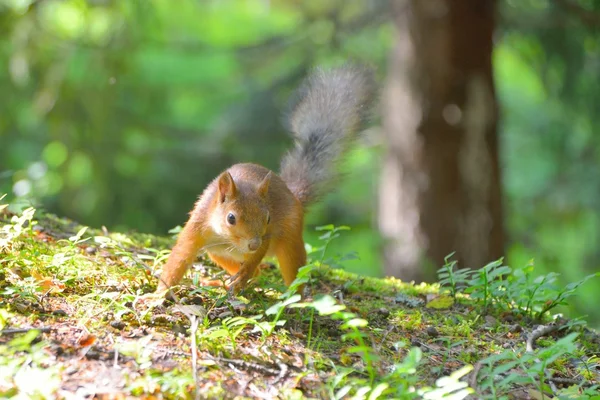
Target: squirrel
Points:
(249, 212)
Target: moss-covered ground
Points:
(78, 320)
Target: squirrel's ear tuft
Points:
(263, 187)
(227, 189)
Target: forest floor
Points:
(78, 320)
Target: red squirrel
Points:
(249, 212)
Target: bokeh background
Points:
(117, 113)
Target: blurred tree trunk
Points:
(440, 189)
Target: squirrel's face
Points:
(242, 217)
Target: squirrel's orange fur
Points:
(253, 195)
(249, 212)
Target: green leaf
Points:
(326, 305)
(441, 302)
(378, 391)
(355, 323)
(78, 235)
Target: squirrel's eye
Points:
(231, 219)
(268, 218)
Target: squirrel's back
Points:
(328, 111)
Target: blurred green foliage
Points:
(118, 113)
(547, 64)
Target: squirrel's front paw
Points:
(238, 282)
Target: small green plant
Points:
(501, 372)
(488, 284)
(497, 285)
(277, 310)
(232, 327)
(453, 278)
(534, 296)
(327, 305)
(18, 225)
(331, 232)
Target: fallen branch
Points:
(570, 381)
(474, 374)
(249, 365)
(24, 330)
(537, 333)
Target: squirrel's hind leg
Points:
(291, 255)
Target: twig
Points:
(538, 332)
(570, 381)
(283, 370)
(431, 349)
(248, 365)
(193, 329)
(551, 383)
(24, 330)
(390, 330)
(474, 373)
(116, 359)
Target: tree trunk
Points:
(440, 190)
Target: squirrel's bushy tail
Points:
(325, 116)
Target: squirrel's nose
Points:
(254, 244)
